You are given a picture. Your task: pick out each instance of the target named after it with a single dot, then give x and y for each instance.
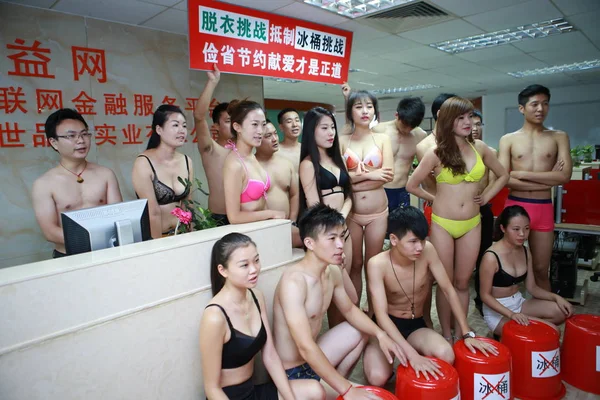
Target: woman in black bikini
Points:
(503, 267)
(156, 171)
(324, 179)
(228, 352)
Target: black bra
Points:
(503, 278)
(329, 181)
(165, 194)
(240, 349)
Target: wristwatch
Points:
(469, 335)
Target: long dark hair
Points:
(238, 110)
(221, 252)
(447, 149)
(505, 217)
(159, 118)
(310, 149)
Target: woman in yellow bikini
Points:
(458, 164)
(370, 164)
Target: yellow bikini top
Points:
(474, 175)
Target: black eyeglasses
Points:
(73, 137)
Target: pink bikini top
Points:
(254, 189)
(373, 158)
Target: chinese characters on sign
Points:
(545, 364)
(252, 42)
(491, 386)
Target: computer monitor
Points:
(106, 226)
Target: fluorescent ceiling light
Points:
(483, 41)
(412, 88)
(356, 8)
(575, 67)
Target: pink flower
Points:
(185, 217)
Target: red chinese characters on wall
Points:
(89, 61)
(29, 60)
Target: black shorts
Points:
(248, 391)
(221, 219)
(303, 371)
(406, 326)
(58, 254)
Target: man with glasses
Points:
(74, 183)
(487, 216)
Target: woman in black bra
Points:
(235, 327)
(506, 264)
(156, 171)
(324, 179)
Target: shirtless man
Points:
(301, 299)
(213, 153)
(284, 192)
(404, 133)
(291, 127)
(74, 183)
(538, 159)
(487, 216)
(399, 281)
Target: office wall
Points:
(89, 60)
(495, 108)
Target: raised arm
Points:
(142, 176)
(514, 183)
(213, 330)
(423, 170)
(270, 357)
(45, 211)
(553, 177)
(233, 179)
(205, 141)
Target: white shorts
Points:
(513, 303)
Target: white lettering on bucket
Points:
(491, 386)
(545, 364)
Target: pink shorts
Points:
(541, 212)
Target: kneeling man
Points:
(301, 299)
(399, 281)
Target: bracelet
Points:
(347, 390)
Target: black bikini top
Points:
(329, 181)
(503, 278)
(240, 349)
(164, 194)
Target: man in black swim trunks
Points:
(303, 295)
(399, 282)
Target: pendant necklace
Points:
(79, 178)
(412, 302)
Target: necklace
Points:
(412, 302)
(79, 178)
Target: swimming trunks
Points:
(221, 219)
(248, 391)
(541, 212)
(165, 194)
(406, 326)
(397, 197)
(474, 175)
(303, 371)
(58, 254)
(240, 349)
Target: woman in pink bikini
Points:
(370, 164)
(246, 181)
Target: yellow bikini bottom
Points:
(456, 228)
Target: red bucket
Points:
(481, 377)
(381, 393)
(581, 353)
(408, 386)
(535, 350)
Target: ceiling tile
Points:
(182, 5)
(572, 7)
(567, 55)
(515, 63)
(130, 12)
(444, 60)
(362, 32)
(407, 56)
(445, 31)
(264, 5)
(33, 3)
(491, 53)
(382, 45)
(166, 3)
(309, 13)
(510, 17)
(565, 40)
(171, 20)
(463, 8)
(587, 23)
